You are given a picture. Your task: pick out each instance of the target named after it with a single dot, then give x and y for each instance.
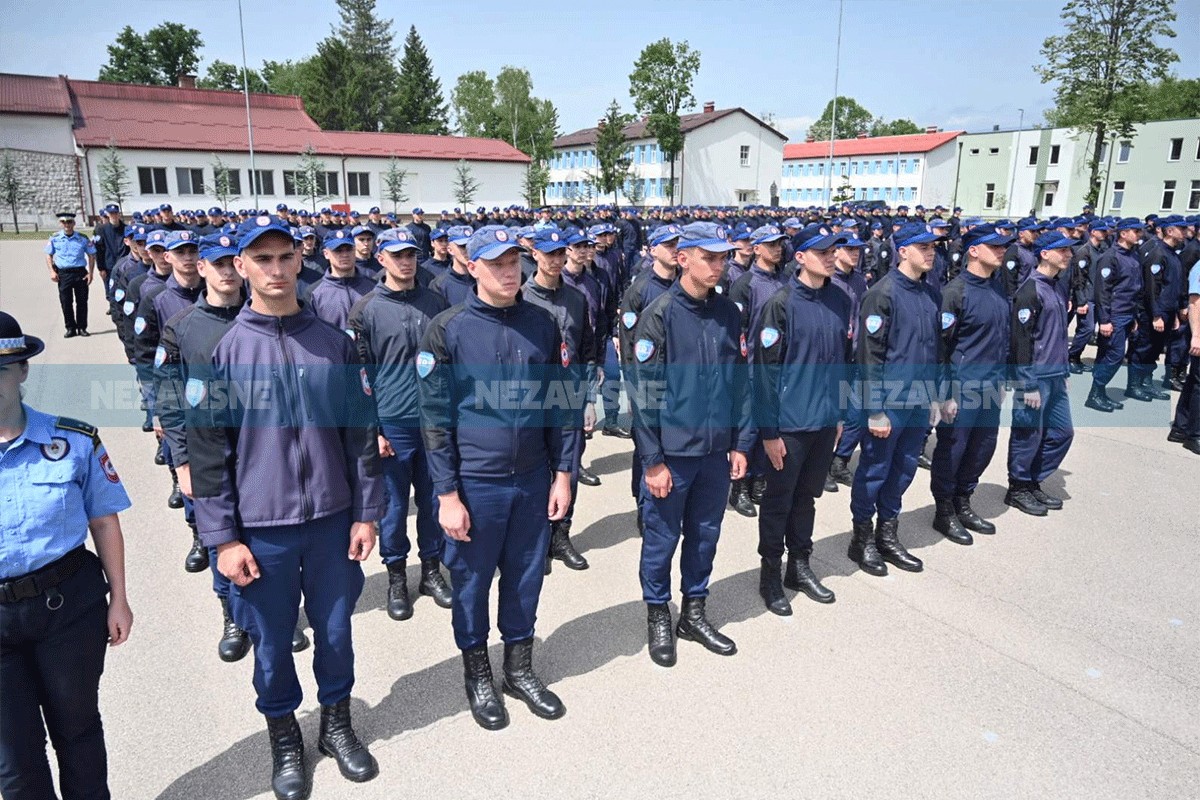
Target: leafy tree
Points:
(393, 183)
(465, 186)
(158, 58)
(130, 60)
(474, 103)
(418, 106)
(310, 177)
(1102, 64)
(612, 152)
(13, 191)
(844, 192)
(287, 77)
(635, 190)
(1173, 98)
(113, 176)
(351, 82)
(222, 185)
(505, 108)
(852, 119)
(533, 187)
(661, 87)
(223, 75)
(897, 127)
(334, 96)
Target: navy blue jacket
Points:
(644, 290)
(1039, 332)
(1162, 282)
(803, 350)
(569, 309)
(456, 288)
(331, 298)
(693, 396)
(898, 343)
(420, 232)
(294, 437)
(491, 392)
(854, 284)
(1019, 261)
(593, 293)
(975, 336)
(433, 267)
(750, 293)
(387, 329)
(110, 245)
(156, 306)
(1118, 285)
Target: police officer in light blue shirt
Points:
(71, 258)
(56, 483)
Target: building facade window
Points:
(1118, 198)
(264, 181)
(1168, 196)
(1175, 151)
(974, 151)
(989, 195)
(1123, 153)
(1055, 152)
(152, 180)
(232, 177)
(1048, 192)
(744, 156)
(915, 164)
(358, 184)
(1194, 197)
(189, 180)
(993, 151)
(1033, 155)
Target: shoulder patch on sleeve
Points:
(160, 356)
(768, 336)
(629, 319)
(425, 363)
(643, 350)
(1104, 273)
(874, 323)
(948, 319)
(1023, 315)
(68, 424)
(139, 325)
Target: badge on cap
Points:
(501, 236)
(874, 323)
(160, 356)
(110, 471)
(366, 384)
(57, 449)
(425, 363)
(629, 319)
(194, 391)
(554, 236)
(768, 336)
(139, 325)
(226, 242)
(1023, 315)
(643, 350)
(948, 319)
(263, 221)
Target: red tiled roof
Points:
(415, 145)
(637, 130)
(871, 146)
(34, 94)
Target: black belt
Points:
(44, 579)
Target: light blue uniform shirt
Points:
(70, 252)
(53, 478)
(1194, 279)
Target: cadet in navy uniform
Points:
(456, 283)
(491, 464)
(1185, 427)
(57, 482)
(1083, 277)
(388, 324)
(1020, 259)
(546, 289)
(803, 340)
(332, 297)
(1162, 280)
(1118, 298)
(110, 242)
(897, 363)
(974, 361)
(71, 258)
(287, 488)
(439, 261)
(1041, 420)
(693, 433)
(420, 231)
(847, 255)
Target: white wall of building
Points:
(37, 133)
(714, 172)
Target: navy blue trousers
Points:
(1187, 408)
(510, 533)
(887, 467)
(853, 425)
(694, 510)
(404, 471)
(963, 451)
(50, 667)
(1178, 343)
(1085, 328)
(1111, 351)
(1145, 347)
(611, 391)
(310, 557)
(1040, 437)
(788, 511)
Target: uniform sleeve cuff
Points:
(366, 513)
(445, 487)
(219, 537)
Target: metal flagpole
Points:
(246, 94)
(837, 65)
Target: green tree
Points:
(176, 50)
(1102, 65)
(393, 183)
(533, 187)
(505, 108)
(465, 186)
(223, 75)
(310, 177)
(334, 96)
(130, 60)
(635, 190)
(222, 185)
(612, 151)
(13, 191)
(287, 77)
(1173, 98)
(418, 106)
(896, 127)
(113, 176)
(474, 102)
(852, 119)
(661, 87)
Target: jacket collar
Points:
(265, 323)
(475, 303)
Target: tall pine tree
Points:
(418, 106)
(354, 72)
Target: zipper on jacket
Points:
(305, 503)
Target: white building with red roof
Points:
(910, 170)
(169, 138)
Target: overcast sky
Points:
(951, 63)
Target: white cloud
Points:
(794, 127)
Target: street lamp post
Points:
(1012, 181)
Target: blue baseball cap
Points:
(437, 233)
(112, 208)
(181, 238)
(707, 236)
(140, 233)
(217, 245)
(157, 238)
(253, 229)
(1099, 225)
(1029, 224)
(876, 226)
(129, 231)
(986, 234)
(358, 230)
(339, 238)
(576, 236)
(460, 234)
(165, 207)
(307, 231)
(850, 241)
(938, 223)
(1053, 240)
(848, 222)
(373, 210)
(817, 237)
(216, 212)
(549, 240)
(1004, 223)
(1130, 224)
(915, 233)
(664, 233)
(1173, 221)
(394, 241)
(490, 241)
(420, 210)
(792, 222)
(281, 207)
(766, 233)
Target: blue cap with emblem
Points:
(817, 237)
(307, 231)
(395, 241)
(664, 233)
(766, 233)
(1130, 224)
(915, 233)
(849, 241)
(336, 239)
(254, 229)
(216, 211)
(217, 245)
(437, 233)
(112, 208)
(490, 242)
(1053, 240)
(549, 239)
(181, 239)
(157, 238)
(1029, 224)
(459, 234)
(359, 230)
(707, 236)
(986, 234)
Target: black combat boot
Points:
(197, 558)
(433, 584)
(339, 741)
(862, 550)
(1020, 496)
(887, 539)
(969, 519)
(561, 548)
(1149, 388)
(1135, 391)
(1048, 500)
(234, 642)
(175, 499)
(739, 498)
(771, 588)
(521, 682)
(839, 470)
(758, 489)
(1097, 400)
(399, 605)
(799, 577)
(1176, 378)
(486, 706)
(947, 523)
(588, 478)
(300, 641)
(289, 778)
(695, 627)
(662, 641)
(1075, 365)
(830, 484)
(160, 460)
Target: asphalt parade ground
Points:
(1059, 658)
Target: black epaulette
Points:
(68, 424)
